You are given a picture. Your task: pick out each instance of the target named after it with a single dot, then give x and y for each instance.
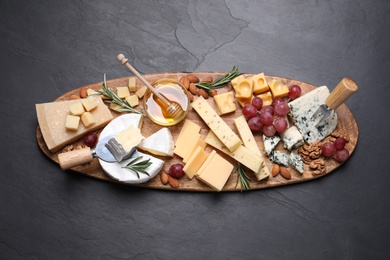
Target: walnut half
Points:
(317, 166)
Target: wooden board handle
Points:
(341, 93)
(74, 158)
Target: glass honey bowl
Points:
(174, 91)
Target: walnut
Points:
(317, 166)
(68, 148)
(310, 152)
(336, 134)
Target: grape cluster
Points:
(336, 149)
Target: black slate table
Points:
(48, 48)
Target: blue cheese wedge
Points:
(160, 143)
(292, 138)
(302, 110)
(296, 162)
(279, 157)
(270, 143)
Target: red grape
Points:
(266, 118)
(327, 149)
(280, 124)
(339, 143)
(257, 103)
(249, 111)
(269, 130)
(294, 92)
(176, 170)
(269, 109)
(255, 124)
(341, 155)
(277, 101)
(281, 109)
(90, 139)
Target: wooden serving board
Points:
(346, 124)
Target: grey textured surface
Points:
(50, 47)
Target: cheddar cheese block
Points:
(52, 117)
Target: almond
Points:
(213, 93)
(186, 82)
(181, 80)
(74, 97)
(191, 96)
(285, 173)
(173, 182)
(203, 93)
(275, 170)
(208, 79)
(193, 78)
(193, 89)
(164, 178)
(83, 92)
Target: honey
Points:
(174, 92)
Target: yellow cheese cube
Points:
(88, 119)
(235, 80)
(132, 85)
(216, 173)
(76, 109)
(266, 97)
(225, 102)
(91, 92)
(244, 88)
(259, 83)
(194, 163)
(132, 100)
(89, 103)
(278, 89)
(115, 107)
(122, 92)
(141, 92)
(244, 101)
(72, 122)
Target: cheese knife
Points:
(344, 90)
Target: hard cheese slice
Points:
(302, 110)
(194, 163)
(52, 117)
(216, 124)
(159, 143)
(188, 134)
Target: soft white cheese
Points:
(296, 162)
(160, 143)
(292, 138)
(270, 143)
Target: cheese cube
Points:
(216, 173)
(115, 107)
(132, 100)
(235, 80)
(278, 89)
(76, 109)
(259, 83)
(89, 103)
(225, 103)
(194, 163)
(122, 92)
(132, 85)
(244, 101)
(91, 92)
(141, 92)
(88, 119)
(266, 97)
(72, 122)
(244, 88)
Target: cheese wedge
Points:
(52, 117)
(159, 143)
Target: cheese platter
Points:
(302, 156)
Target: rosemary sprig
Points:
(139, 166)
(241, 175)
(114, 99)
(219, 83)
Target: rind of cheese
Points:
(278, 89)
(246, 135)
(52, 117)
(259, 83)
(159, 143)
(194, 163)
(216, 173)
(216, 124)
(122, 92)
(225, 103)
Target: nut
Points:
(203, 93)
(193, 89)
(164, 178)
(74, 97)
(208, 79)
(193, 78)
(83, 92)
(191, 96)
(186, 82)
(173, 182)
(275, 170)
(213, 93)
(285, 173)
(318, 166)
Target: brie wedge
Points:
(160, 143)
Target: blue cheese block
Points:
(302, 110)
(296, 162)
(279, 157)
(292, 138)
(270, 143)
